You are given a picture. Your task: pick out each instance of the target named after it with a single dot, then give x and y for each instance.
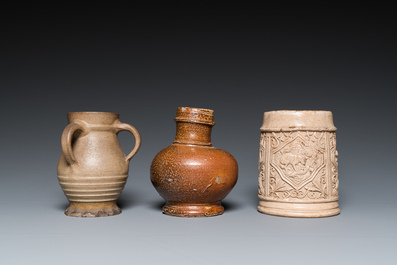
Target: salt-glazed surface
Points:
(192, 175)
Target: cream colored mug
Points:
(298, 166)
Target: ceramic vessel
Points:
(191, 175)
(93, 168)
(298, 167)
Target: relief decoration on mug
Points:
(292, 165)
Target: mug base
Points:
(300, 210)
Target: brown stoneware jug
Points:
(93, 168)
(191, 175)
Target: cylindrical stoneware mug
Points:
(298, 167)
(93, 168)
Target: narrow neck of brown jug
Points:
(193, 133)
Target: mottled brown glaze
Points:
(191, 175)
(93, 168)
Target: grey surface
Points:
(144, 68)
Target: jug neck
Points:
(193, 126)
(94, 118)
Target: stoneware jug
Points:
(93, 168)
(191, 175)
(298, 167)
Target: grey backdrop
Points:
(144, 67)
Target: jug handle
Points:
(66, 140)
(135, 133)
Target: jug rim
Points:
(93, 117)
(96, 112)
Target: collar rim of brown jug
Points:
(195, 115)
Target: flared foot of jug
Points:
(92, 209)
